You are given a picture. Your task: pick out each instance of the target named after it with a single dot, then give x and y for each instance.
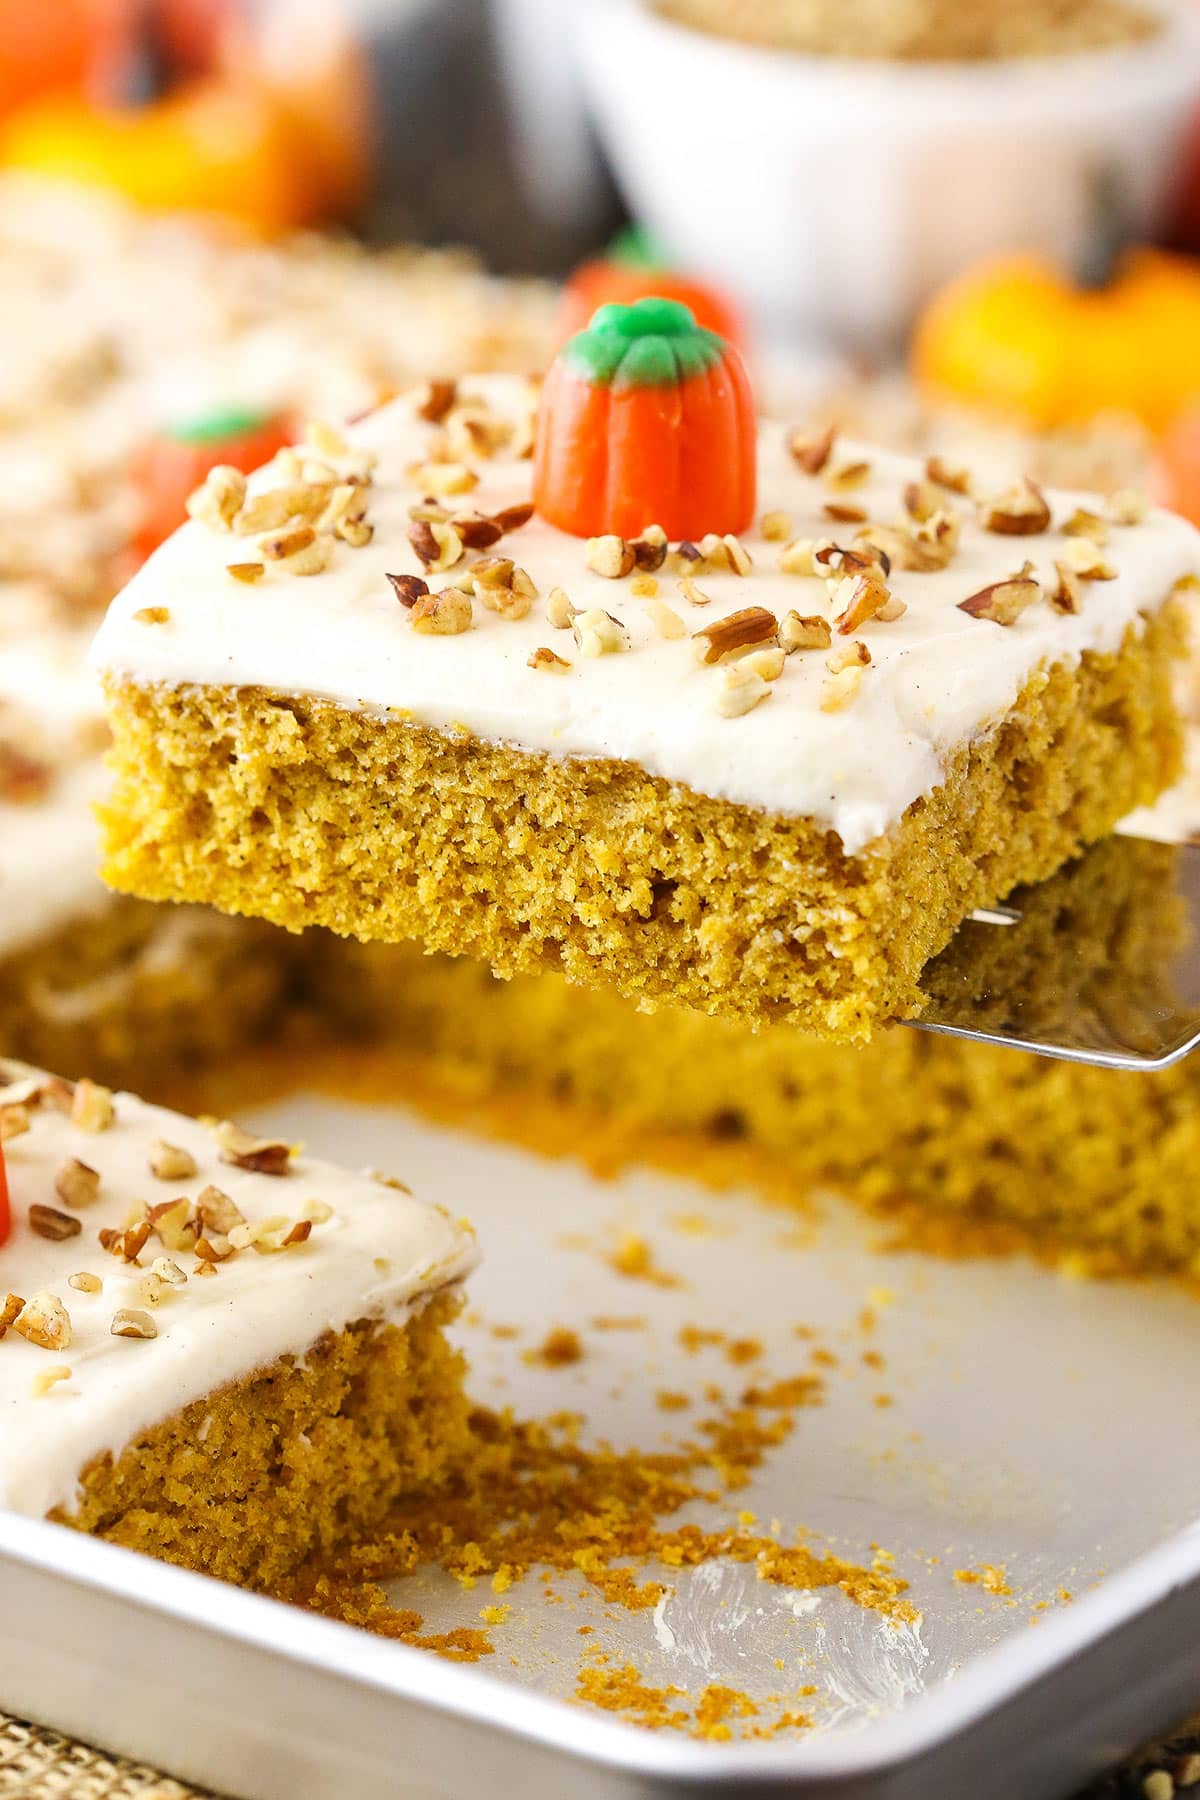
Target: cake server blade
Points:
(1100, 964)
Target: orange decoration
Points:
(66, 47)
(219, 147)
(171, 466)
(1017, 337)
(605, 280)
(1179, 467)
(646, 419)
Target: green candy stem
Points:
(636, 247)
(211, 428)
(650, 343)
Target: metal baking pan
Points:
(1039, 1424)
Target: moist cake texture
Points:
(765, 778)
(964, 1147)
(214, 1348)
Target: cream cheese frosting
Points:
(380, 1254)
(938, 677)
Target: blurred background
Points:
(975, 222)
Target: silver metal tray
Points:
(1037, 1423)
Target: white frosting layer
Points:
(379, 1257)
(938, 677)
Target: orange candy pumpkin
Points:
(646, 419)
(172, 465)
(1016, 337)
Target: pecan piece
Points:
(751, 625)
(1004, 601)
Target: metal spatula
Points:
(1099, 965)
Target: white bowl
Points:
(832, 196)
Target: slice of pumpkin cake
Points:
(605, 679)
(214, 1348)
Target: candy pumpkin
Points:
(635, 269)
(1178, 467)
(230, 149)
(1017, 337)
(173, 464)
(646, 419)
(67, 47)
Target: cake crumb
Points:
(634, 1258)
(558, 1350)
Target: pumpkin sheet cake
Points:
(214, 1348)
(760, 773)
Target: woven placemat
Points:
(36, 1764)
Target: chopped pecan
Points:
(447, 614)
(598, 634)
(948, 475)
(265, 1156)
(409, 589)
(439, 398)
(1022, 511)
(129, 1322)
(1004, 601)
(48, 1222)
(752, 625)
(44, 1321)
(740, 690)
(798, 631)
(811, 451)
(543, 658)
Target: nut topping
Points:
(804, 632)
(438, 546)
(1127, 507)
(800, 556)
(91, 1106)
(218, 502)
(1087, 560)
(740, 690)
(76, 1183)
(48, 1222)
(559, 610)
(543, 658)
(752, 625)
(409, 589)
(598, 634)
(170, 1162)
(948, 475)
(129, 1322)
(439, 398)
(447, 614)
(841, 514)
(667, 621)
(10, 1307)
(265, 1156)
(869, 598)
(1023, 511)
(1083, 523)
(610, 556)
(811, 451)
(1004, 601)
(44, 1321)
